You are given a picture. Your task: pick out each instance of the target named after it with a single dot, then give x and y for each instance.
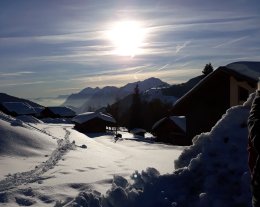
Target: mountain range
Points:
(90, 99)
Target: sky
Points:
(50, 48)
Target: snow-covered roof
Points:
(137, 130)
(62, 110)
(84, 117)
(249, 69)
(180, 121)
(19, 108)
(38, 109)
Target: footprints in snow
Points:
(25, 197)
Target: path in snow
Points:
(34, 175)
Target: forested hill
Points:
(178, 90)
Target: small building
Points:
(138, 132)
(57, 112)
(171, 130)
(225, 87)
(17, 108)
(92, 122)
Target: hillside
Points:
(7, 98)
(178, 90)
(47, 165)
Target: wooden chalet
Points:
(93, 122)
(225, 87)
(138, 132)
(171, 130)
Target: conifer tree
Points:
(135, 110)
(207, 69)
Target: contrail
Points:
(163, 67)
(230, 42)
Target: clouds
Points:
(44, 41)
(20, 73)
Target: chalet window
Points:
(242, 94)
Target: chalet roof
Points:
(19, 108)
(84, 117)
(249, 71)
(137, 130)
(62, 110)
(38, 109)
(180, 121)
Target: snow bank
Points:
(17, 138)
(211, 172)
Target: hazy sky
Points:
(52, 47)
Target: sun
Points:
(127, 38)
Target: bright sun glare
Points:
(127, 38)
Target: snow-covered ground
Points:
(211, 172)
(50, 164)
(95, 171)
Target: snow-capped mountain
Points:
(76, 100)
(157, 93)
(94, 98)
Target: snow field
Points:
(212, 172)
(56, 177)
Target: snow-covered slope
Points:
(212, 172)
(144, 85)
(156, 93)
(19, 139)
(7, 98)
(76, 100)
(78, 163)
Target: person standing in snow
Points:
(254, 148)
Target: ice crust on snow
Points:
(211, 172)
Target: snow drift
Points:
(211, 172)
(18, 138)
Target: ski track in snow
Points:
(34, 175)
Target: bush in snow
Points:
(212, 172)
